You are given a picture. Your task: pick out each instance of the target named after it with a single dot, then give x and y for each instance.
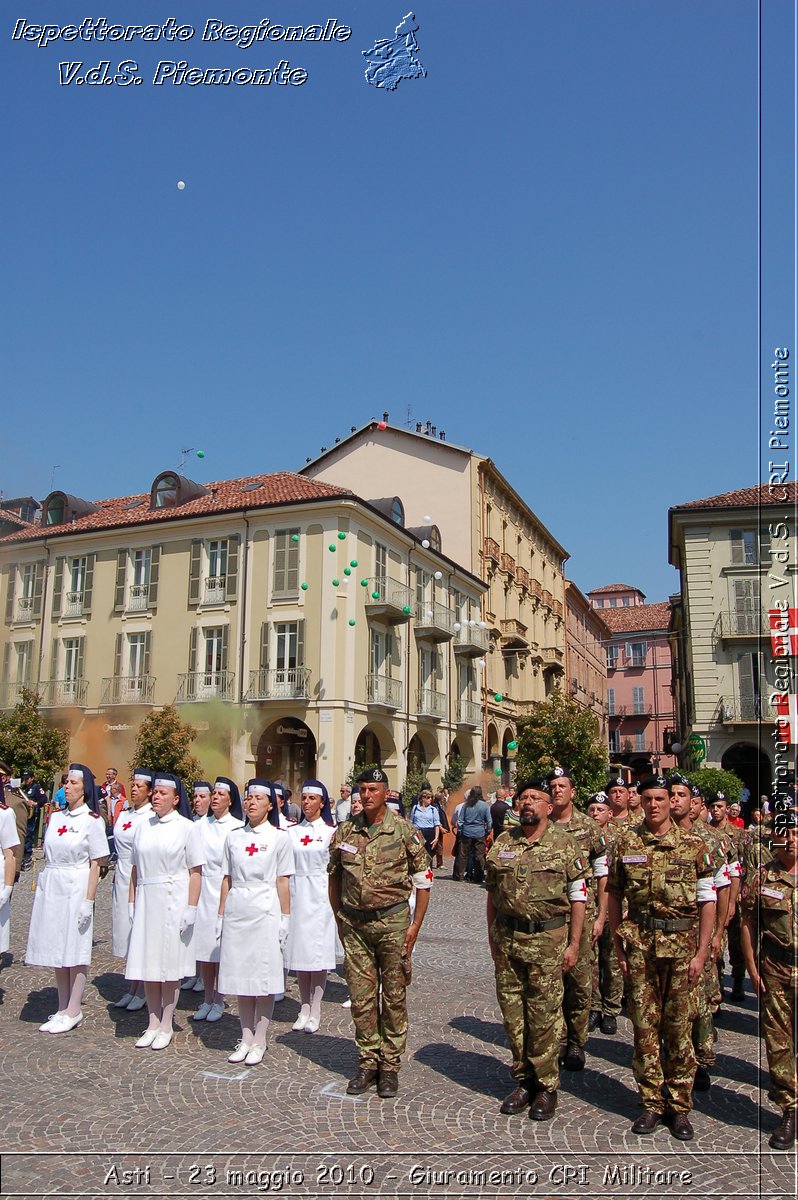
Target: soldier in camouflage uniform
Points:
(376, 858)
(770, 926)
(665, 875)
(719, 808)
(684, 803)
(578, 981)
(536, 905)
(607, 978)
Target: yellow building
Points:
(299, 627)
(587, 636)
(462, 497)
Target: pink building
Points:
(640, 713)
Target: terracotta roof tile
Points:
(227, 495)
(745, 498)
(638, 618)
(614, 587)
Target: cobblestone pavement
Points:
(86, 1114)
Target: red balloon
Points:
(382, 425)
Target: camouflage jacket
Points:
(770, 903)
(529, 879)
(379, 864)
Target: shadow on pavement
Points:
(484, 1031)
(478, 1072)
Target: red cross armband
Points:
(577, 890)
(423, 879)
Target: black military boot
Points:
(783, 1137)
(361, 1082)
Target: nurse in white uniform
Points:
(62, 920)
(9, 838)
(124, 831)
(200, 807)
(254, 913)
(310, 950)
(225, 815)
(164, 889)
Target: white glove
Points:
(218, 930)
(282, 936)
(85, 914)
(5, 893)
(131, 912)
(188, 918)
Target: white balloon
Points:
(483, 625)
(427, 519)
(180, 185)
(480, 662)
(457, 627)
(439, 574)
(425, 544)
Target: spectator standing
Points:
(440, 802)
(425, 818)
(59, 799)
(343, 806)
(37, 799)
(473, 827)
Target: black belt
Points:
(519, 926)
(778, 953)
(372, 914)
(663, 924)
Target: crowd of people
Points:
(633, 903)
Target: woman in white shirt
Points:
(254, 915)
(62, 920)
(9, 838)
(310, 950)
(165, 886)
(225, 815)
(124, 831)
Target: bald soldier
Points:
(376, 859)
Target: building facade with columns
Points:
(462, 496)
(300, 628)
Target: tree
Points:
(163, 743)
(558, 732)
(713, 779)
(28, 743)
(414, 780)
(454, 774)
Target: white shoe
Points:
(347, 1004)
(202, 1011)
(255, 1055)
(124, 1000)
(301, 1021)
(241, 1051)
(136, 1003)
(161, 1040)
(146, 1039)
(215, 1013)
(188, 984)
(199, 986)
(45, 1028)
(312, 1024)
(61, 1023)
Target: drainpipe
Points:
(242, 640)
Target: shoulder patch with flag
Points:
(579, 863)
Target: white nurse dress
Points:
(9, 838)
(214, 833)
(124, 831)
(311, 934)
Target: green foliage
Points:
(558, 732)
(712, 779)
(454, 774)
(28, 743)
(414, 780)
(163, 743)
(356, 769)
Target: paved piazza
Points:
(88, 1115)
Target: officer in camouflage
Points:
(719, 808)
(536, 910)
(770, 925)
(665, 875)
(579, 980)
(376, 858)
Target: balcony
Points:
(642, 710)
(128, 689)
(619, 711)
(279, 683)
(557, 607)
(552, 656)
(214, 591)
(507, 563)
(430, 703)
(384, 692)
(514, 635)
(389, 600)
(469, 713)
(11, 694)
(23, 610)
(73, 605)
(196, 686)
(491, 551)
(63, 693)
(547, 598)
(471, 638)
(742, 624)
(138, 597)
(434, 622)
(522, 578)
(750, 711)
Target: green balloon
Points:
(364, 583)
(407, 610)
(294, 537)
(498, 697)
(375, 595)
(497, 770)
(336, 583)
(331, 548)
(353, 563)
(200, 454)
(347, 571)
(304, 587)
(512, 745)
(341, 537)
(351, 620)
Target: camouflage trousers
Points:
(661, 1016)
(700, 1001)
(373, 959)
(733, 944)
(777, 1022)
(530, 999)
(607, 980)
(579, 987)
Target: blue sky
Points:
(547, 247)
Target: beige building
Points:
(736, 556)
(300, 628)
(586, 638)
(460, 497)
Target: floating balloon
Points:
(304, 587)
(406, 609)
(498, 697)
(347, 571)
(294, 537)
(364, 583)
(427, 519)
(351, 620)
(382, 425)
(439, 574)
(512, 745)
(482, 625)
(200, 454)
(425, 543)
(457, 627)
(336, 583)
(353, 562)
(480, 662)
(341, 537)
(331, 547)
(497, 770)
(375, 595)
(180, 185)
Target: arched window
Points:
(55, 510)
(397, 511)
(165, 492)
(435, 538)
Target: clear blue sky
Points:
(548, 247)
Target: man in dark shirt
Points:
(498, 811)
